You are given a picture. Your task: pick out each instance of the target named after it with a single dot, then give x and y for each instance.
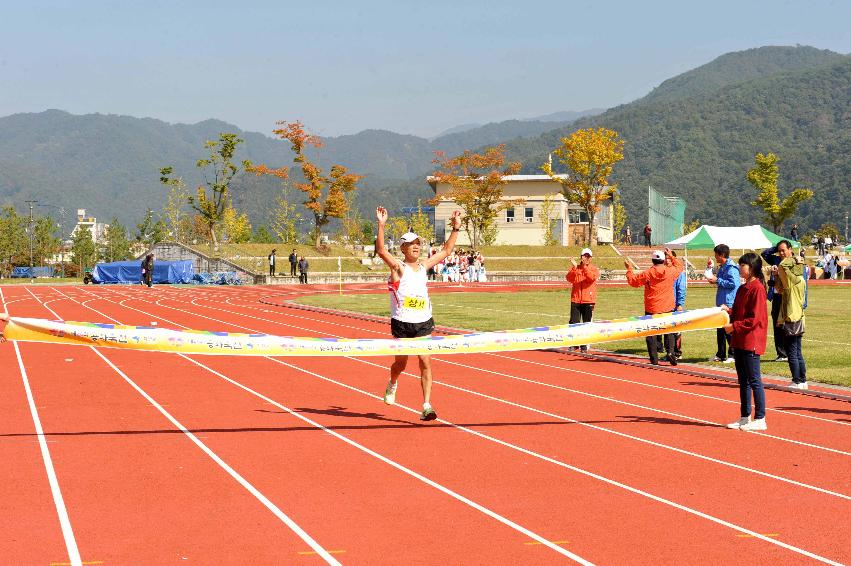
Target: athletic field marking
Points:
(534, 542)
(654, 386)
(596, 427)
(290, 315)
(620, 402)
(455, 495)
(310, 552)
(765, 535)
(613, 400)
(567, 466)
(71, 564)
(227, 468)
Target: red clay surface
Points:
(611, 464)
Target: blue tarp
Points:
(217, 278)
(131, 272)
(30, 272)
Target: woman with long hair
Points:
(749, 327)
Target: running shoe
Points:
(672, 359)
(756, 424)
(428, 415)
(801, 385)
(739, 423)
(716, 359)
(781, 359)
(729, 361)
(390, 393)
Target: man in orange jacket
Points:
(583, 277)
(658, 282)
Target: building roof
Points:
(534, 178)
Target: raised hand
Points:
(456, 220)
(381, 215)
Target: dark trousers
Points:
(272, 270)
(647, 240)
(292, 269)
(750, 381)
(581, 312)
(302, 278)
(678, 345)
(779, 333)
(723, 339)
(654, 346)
(796, 358)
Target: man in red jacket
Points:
(658, 282)
(583, 277)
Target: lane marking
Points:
(310, 552)
(58, 500)
(232, 472)
(440, 487)
(534, 542)
(765, 535)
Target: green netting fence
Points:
(666, 216)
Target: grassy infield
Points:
(826, 344)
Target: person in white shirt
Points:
(410, 306)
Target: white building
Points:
(522, 224)
(96, 229)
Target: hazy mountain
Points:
(566, 115)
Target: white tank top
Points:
(409, 300)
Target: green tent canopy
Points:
(737, 237)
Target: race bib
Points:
(414, 303)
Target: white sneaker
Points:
(757, 424)
(716, 359)
(802, 385)
(729, 361)
(390, 393)
(739, 423)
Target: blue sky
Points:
(410, 67)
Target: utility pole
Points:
(846, 227)
(32, 203)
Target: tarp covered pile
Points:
(129, 272)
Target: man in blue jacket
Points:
(728, 281)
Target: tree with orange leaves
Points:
(339, 183)
(590, 155)
(476, 183)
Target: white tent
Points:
(737, 237)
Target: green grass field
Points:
(826, 344)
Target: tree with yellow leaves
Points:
(476, 183)
(339, 183)
(764, 178)
(590, 156)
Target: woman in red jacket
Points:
(583, 297)
(749, 325)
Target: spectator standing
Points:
(272, 258)
(727, 281)
(828, 242)
(775, 295)
(680, 290)
(748, 325)
(293, 263)
(628, 234)
(658, 283)
(820, 245)
(648, 231)
(583, 296)
(790, 273)
(794, 232)
(303, 267)
(148, 270)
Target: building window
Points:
(575, 216)
(603, 217)
(529, 214)
(509, 215)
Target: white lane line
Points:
(654, 386)
(492, 514)
(588, 425)
(58, 500)
(363, 329)
(643, 407)
(302, 534)
(215, 457)
(559, 463)
(609, 399)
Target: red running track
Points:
(537, 458)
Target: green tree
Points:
(174, 212)
(13, 239)
(764, 179)
(234, 226)
(262, 236)
(45, 240)
(368, 230)
(83, 251)
(116, 246)
(590, 156)
(421, 224)
(285, 218)
(620, 217)
(213, 198)
(546, 213)
(150, 232)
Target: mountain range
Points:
(693, 136)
